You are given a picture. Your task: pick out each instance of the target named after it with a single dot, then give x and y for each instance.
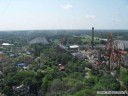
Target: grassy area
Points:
(88, 38)
(56, 41)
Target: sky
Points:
(63, 14)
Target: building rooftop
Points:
(6, 44)
(74, 46)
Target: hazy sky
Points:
(63, 14)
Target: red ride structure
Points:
(115, 55)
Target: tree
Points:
(86, 92)
(46, 82)
(124, 77)
(107, 83)
(55, 88)
(8, 91)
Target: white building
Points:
(74, 48)
(6, 44)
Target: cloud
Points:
(116, 20)
(67, 6)
(90, 17)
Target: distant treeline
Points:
(25, 36)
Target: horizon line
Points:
(56, 29)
